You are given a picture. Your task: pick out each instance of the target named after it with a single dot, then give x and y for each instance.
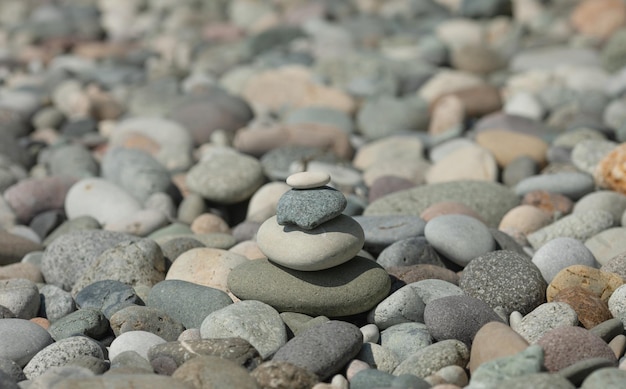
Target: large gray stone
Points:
(21, 339)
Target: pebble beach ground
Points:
(312, 194)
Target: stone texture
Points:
(601, 284)
(432, 358)
(139, 318)
(494, 340)
(210, 371)
(309, 208)
(591, 310)
(283, 375)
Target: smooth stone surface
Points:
(226, 178)
(560, 253)
(564, 346)
(323, 349)
(138, 341)
(382, 231)
(459, 238)
(187, 302)
(134, 263)
(31, 196)
(607, 244)
(15, 247)
(403, 306)
(490, 200)
(497, 371)
(610, 201)
(571, 184)
(60, 352)
(20, 296)
(378, 357)
(458, 317)
(309, 208)
(405, 339)
(353, 287)
(214, 372)
(492, 341)
(139, 318)
(308, 180)
(326, 246)
(107, 296)
(604, 378)
(101, 199)
(266, 332)
(87, 321)
(21, 339)
(504, 280)
(580, 226)
(409, 252)
(466, 163)
(432, 358)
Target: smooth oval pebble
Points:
(107, 296)
(21, 339)
(323, 247)
(581, 226)
(617, 303)
(382, 231)
(353, 287)
(29, 197)
(138, 341)
(61, 352)
(187, 302)
(87, 321)
(403, 306)
(323, 349)
(591, 310)
(609, 201)
(560, 253)
(459, 238)
(310, 208)
(492, 341)
(308, 180)
(504, 280)
(571, 184)
(266, 332)
(567, 345)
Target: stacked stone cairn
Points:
(313, 265)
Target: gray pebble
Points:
(581, 225)
(21, 339)
(187, 302)
(12, 369)
(215, 372)
(544, 318)
(77, 224)
(577, 372)
(519, 169)
(382, 231)
(407, 252)
(323, 349)
(504, 279)
(87, 321)
(57, 376)
(55, 302)
(378, 357)
(308, 208)
(94, 364)
(494, 372)
(538, 381)
(433, 358)
(560, 253)
(607, 378)
(138, 318)
(108, 296)
(20, 296)
(72, 160)
(570, 184)
(266, 332)
(405, 339)
(60, 353)
(612, 202)
(588, 153)
(403, 306)
(607, 244)
(372, 379)
(131, 360)
(609, 329)
(299, 322)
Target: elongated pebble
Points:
(308, 180)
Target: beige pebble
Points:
(249, 249)
(506, 146)
(525, 219)
(208, 223)
(494, 340)
(308, 180)
(467, 163)
(448, 114)
(618, 345)
(601, 283)
(23, 270)
(355, 366)
(263, 202)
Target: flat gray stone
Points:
(403, 306)
(504, 280)
(309, 208)
(405, 339)
(88, 321)
(55, 302)
(353, 287)
(459, 238)
(560, 253)
(139, 318)
(490, 200)
(382, 231)
(108, 296)
(409, 252)
(570, 184)
(21, 339)
(581, 225)
(252, 320)
(544, 318)
(323, 349)
(20, 296)
(432, 358)
(61, 352)
(187, 302)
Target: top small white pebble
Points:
(308, 180)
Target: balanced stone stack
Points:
(313, 265)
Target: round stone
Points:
(323, 247)
(560, 253)
(308, 180)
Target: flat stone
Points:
(432, 358)
(564, 346)
(266, 332)
(21, 340)
(323, 349)
(383, 230)
(60, 352)
(490, 200)
(308, 180)
(458, 317)
(139, 318)
(459, 238)
(88, 321)
(580, 226)
(237, 350)
(226, 178)
(353, 287)
(571, 184)
(504, 280)
(107, 296)
(471, 162)
(309, 208)
(187, 302)
(297, 249)
(214, 372)
(402, 306)
(560, 253)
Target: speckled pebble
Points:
(581, 226)
(560, 253)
